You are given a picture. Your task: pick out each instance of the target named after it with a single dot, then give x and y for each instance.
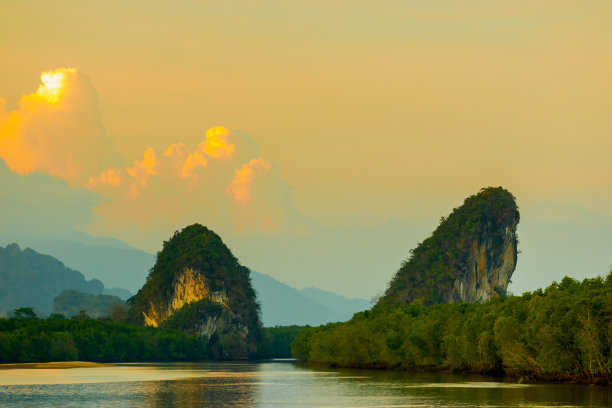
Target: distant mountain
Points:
(32, 279)
(115, 263)
(341, 305)
(282, 305)
(124, 270)
(71, 302)
(123, 294)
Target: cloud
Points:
(57, 130)
(262, 202)
(243, 181)
(221, 183)
(40, 205)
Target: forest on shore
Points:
(25, 338)
(561, 333)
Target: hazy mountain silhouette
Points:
(124, 269)
(344, 307)
(118, 266)
(31, 279)
(283, 305)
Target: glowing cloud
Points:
(217, 183)
(177, 160)
(222, 182)
(57, 130)
(216, 144)
(53, 83)
(262, 202)
(130, 180)
(241, 185)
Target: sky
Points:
(323, 139)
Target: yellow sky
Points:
(371, 111)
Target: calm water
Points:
(274, 384)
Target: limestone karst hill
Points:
(197, 286)
(470, 256)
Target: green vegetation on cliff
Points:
(197, 286)
(562, 332)
(445, 268)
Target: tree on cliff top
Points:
(434, 264)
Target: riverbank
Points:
(555, 335)
(53, 365)
(509, 375)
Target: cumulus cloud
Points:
(242, 184)
(261, 200)
(57, 130)
(40, 205)
(221, 182)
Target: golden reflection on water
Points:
(251, 385)
(106, 374)
(192, 393)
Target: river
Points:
(275, 384)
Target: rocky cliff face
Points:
(188, 286)
(198, 286)
(470, 256)
(488, 269)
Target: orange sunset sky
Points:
(321, 139)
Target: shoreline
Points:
(53, 365)
(508, 375)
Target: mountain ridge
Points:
(31, 279)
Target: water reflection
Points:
(276, 385)
(227, 385)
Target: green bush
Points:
(564, 331)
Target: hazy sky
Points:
(321, 139)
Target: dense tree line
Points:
(25, 338)
(278, 339)
(563, 332)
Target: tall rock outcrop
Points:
(470, 256)
(197, 286)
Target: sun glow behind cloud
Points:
(394, 110)
(53, 83)
(222, 182)
(57, 130)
